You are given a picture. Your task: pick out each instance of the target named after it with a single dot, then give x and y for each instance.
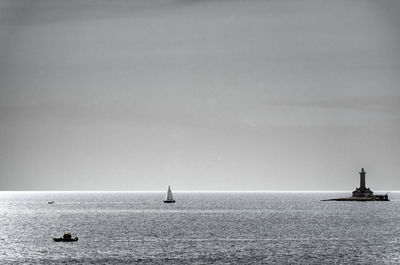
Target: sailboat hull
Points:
(169, 201)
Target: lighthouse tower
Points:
(362, 179)
(362, 191)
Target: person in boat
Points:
(67, 236)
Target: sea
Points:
(200, 228)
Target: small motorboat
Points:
(51, 202)
(65, 238)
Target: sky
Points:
(199, 94)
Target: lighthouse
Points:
(362, 191)
(362, 179)
(362, 194)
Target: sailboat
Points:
(168, 198)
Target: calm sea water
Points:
(201, 228)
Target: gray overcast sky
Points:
(202, 95)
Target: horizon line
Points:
(185, 191)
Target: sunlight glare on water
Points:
(200, 228)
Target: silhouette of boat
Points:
(169, 198)
(65, 238)
(51, 202)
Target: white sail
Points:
(169, 195)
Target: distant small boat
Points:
(51, 202)
(65, 238)
(169, 198)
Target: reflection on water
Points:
(201, 228)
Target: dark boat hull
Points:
(172, 201)
(60, 239)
